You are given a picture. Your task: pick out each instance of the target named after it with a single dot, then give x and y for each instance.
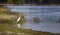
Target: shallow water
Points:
(48, 15)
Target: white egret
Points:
(19, 18)
(17, 24)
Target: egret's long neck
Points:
(18, 19)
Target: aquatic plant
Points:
(36, 19)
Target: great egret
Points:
(17, 24)
(19, 18)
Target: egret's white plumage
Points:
(17, 24)
(19, 18)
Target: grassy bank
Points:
(6, 27)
